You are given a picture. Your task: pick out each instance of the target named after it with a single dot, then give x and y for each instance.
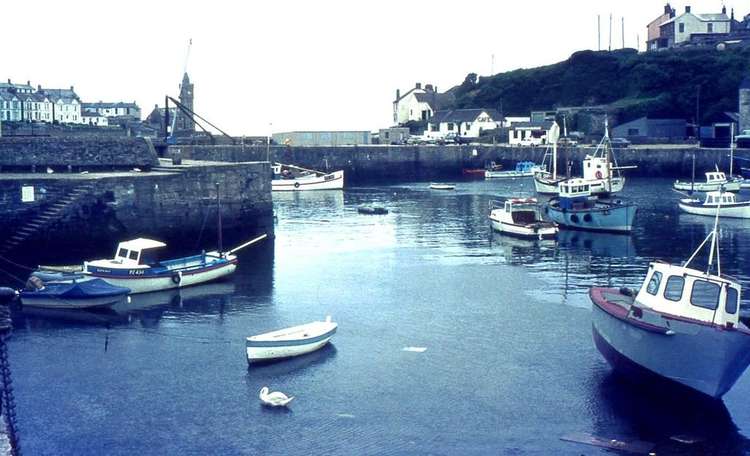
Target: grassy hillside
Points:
(658, 84)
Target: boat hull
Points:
(331, 181)
(542, 231)
(166, 281)
(266, 349)
(611, 219)
(737, 210)
(67, 303)
(703, 357)
(507, 174)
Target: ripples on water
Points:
(509, 365)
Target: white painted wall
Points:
(409, 108)
(468, 129)
(693, 24)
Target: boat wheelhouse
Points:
(682, 325)
(725, 202)
(520, 217)
(575, 207)
(290, 178)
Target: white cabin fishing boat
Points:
(289, 342)
(725, 202)
(290, 178)
(520, 217)
(715, 181)
(600, 172)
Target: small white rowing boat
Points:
(435, 186)
(288, 342)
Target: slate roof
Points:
(108, 105)
(64, 94)
(545, 125)
(462, 115)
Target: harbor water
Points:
(451, 340)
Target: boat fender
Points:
(587, 218)
(177, 278)
(598, 174)
(626, 291)
(574, 218)
(296, 185)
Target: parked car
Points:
(619, 142)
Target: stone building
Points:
(184, 123)
(744, 105)
(680, 30)
(654, 40)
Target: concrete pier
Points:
(363, 163)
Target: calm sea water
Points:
(509, 366)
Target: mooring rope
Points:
(7, 399)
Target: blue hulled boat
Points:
(577, 208)
(682, 326)
(72, 295)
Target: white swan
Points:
(274, 399)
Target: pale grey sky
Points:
(301, 65)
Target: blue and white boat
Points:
(289, 342)
(72, 295)
(575, 207)
(136, 265)
(682, 326)
(523, 169)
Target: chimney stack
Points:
(428, 87)
(724, 9)
(667, 9)
(9, 81)
(38, 87)
(71, 89)
(419, 85)
(398, 94)
(687, 9)
(28, 82)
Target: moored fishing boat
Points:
(715, 181)
(289, 342)
(290, 178)
(520, 217)
(523, 169)
(682, 326)
(725, 202)
(72, 295)
(575, 207)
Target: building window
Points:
(710, 28)
(682, 28)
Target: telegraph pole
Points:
(610, 31)
(623, 32)
(599, 32)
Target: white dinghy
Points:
(288, 342)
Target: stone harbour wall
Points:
(364, 163)
(75, 154)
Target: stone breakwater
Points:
(176, 204)
(363, 163)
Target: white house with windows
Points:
(465, 123)
(680, 29)
(415, 105)
(10, 106)
(531, 133)
(94, 118)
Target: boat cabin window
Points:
(122, 253)
(653, 284)
(705, 294)
(133, 255)
(710, 199)
(673, 289)
(731, 305)
(150, 256)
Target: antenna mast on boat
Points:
(218, 204)
(714, 243)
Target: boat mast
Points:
(554, 160)
(607, 146)
(692, 181)
(218, 205)
(731, 151)
(714, 244)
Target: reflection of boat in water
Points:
(673, 422)
(597, 243)
(522, 251)
(274, 369)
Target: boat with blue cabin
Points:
(523, 169)
(575, 207)
(682, 327)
